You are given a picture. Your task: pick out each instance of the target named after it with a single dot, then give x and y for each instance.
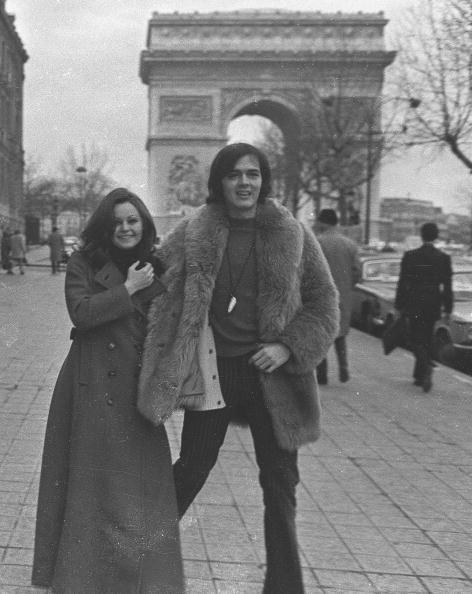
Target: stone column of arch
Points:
(205, 69)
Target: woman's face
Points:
(128, 224)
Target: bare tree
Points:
(341, 146)
(85, 178)
(433, 74)
(41, 191)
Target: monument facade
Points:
(204, 70)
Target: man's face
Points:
(242, 186)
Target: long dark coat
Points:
(56, 245)
(297, 305)
(343, 259)
(425, 284)
(107, 519)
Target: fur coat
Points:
(297, 304)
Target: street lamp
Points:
(82, 170)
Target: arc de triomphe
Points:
(204, 70)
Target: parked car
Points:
(374, 294)
(453, 337)
(71, 244)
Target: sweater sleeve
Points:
(316, 324)
(87, 309)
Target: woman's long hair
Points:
(224, 163)
(98, 233)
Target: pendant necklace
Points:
(232, 299)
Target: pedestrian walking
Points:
(107, 516)
(250, 309)
(56, 249)
(343, 258)
(424, 292)
(18, 250)
(5, 250)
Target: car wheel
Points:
(443, 348)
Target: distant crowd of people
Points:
(14, 249)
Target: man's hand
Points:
(270, 356)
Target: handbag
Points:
(396, 334)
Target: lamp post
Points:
(368, 188)
(82, 171)
(55, 211)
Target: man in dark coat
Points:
(423, 293)
(56, 247)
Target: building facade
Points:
(407, 215)
(12, 59)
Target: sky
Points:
(82, 87)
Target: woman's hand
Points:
(139, 279)
(270, 356)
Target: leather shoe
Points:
(343, 375)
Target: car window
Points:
(382, 270)
(462, 286)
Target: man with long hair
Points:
(250, 310)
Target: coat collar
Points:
(279, 248)
(109, 275)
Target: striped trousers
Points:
(203, 434)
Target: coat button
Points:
(211, 351)
(111, 346)
(109, 402)
(214, 377)
(111, 373)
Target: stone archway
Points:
(203, 70)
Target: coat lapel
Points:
(108, 276)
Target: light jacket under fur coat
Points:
(297, 304)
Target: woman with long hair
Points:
(107, 517)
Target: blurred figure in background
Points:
(18, 250)
(343, 258)
(56, 247)
(424, 291)
(6, 247)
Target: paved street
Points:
(385, 501)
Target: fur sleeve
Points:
(315, 326)
(169, 250)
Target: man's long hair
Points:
(224, 163)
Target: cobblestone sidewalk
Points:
(385, 500)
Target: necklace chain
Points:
(233, 287)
